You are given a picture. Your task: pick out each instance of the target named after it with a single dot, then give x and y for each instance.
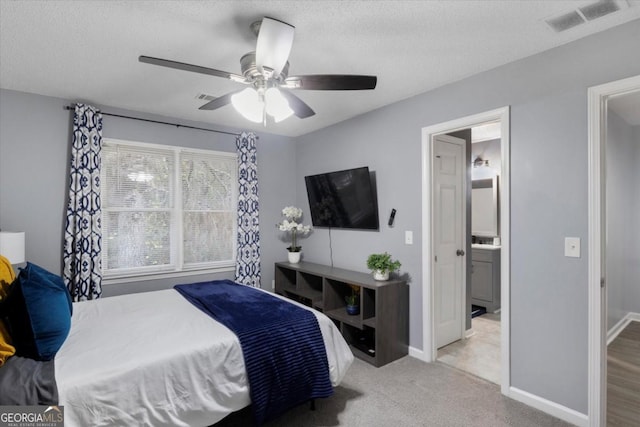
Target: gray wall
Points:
(623, 219)
(34, 156)
(548, 98)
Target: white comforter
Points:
(154, 359)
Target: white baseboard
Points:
(559, 411)
(418, 354)
(469, 333)
(618, 327)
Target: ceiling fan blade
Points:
(274, 45)
(299, 107)
(221, 101)
(193, 68)
(331, 82)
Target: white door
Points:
(448, 237)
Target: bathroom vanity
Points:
(485, 276)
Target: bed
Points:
(155, 359)
(159, 358)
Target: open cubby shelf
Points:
(379, 333)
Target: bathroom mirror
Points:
(484, 207)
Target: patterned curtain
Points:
(82, 271)
(248, 257)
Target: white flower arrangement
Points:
(290, 224)
(291, 212)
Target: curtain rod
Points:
(69, 107)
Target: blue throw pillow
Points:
(37, 311)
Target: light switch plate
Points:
(572, 247)
(408, 237)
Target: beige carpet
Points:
(409, 393)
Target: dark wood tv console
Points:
(379, 334)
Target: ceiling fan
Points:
(266, 73)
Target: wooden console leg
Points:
(312, 404)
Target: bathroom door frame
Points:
(430, 350)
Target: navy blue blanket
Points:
(282, 344)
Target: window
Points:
(166, 209)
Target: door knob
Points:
(460, 252)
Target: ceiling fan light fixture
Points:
(276, 105)
(248, 104)
(265, 70)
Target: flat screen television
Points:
(343, 199)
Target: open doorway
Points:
(622, 260)
(614, 253)
(478, 352)
(431, 298)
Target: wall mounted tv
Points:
(343, 199)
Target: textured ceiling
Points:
(88, 50)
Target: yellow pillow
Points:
(7, 276)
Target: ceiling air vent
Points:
(565, 22)
(599, 9)
(586, 13)
(205, 97)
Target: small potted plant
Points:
(353, 300)
(381, 265)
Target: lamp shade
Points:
(12, 246)
(277, 105)
(249, 104)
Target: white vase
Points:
(380, 275)
(294, 257)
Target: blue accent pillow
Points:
(37, 311)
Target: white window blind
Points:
(208, 208)
(166, 209)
